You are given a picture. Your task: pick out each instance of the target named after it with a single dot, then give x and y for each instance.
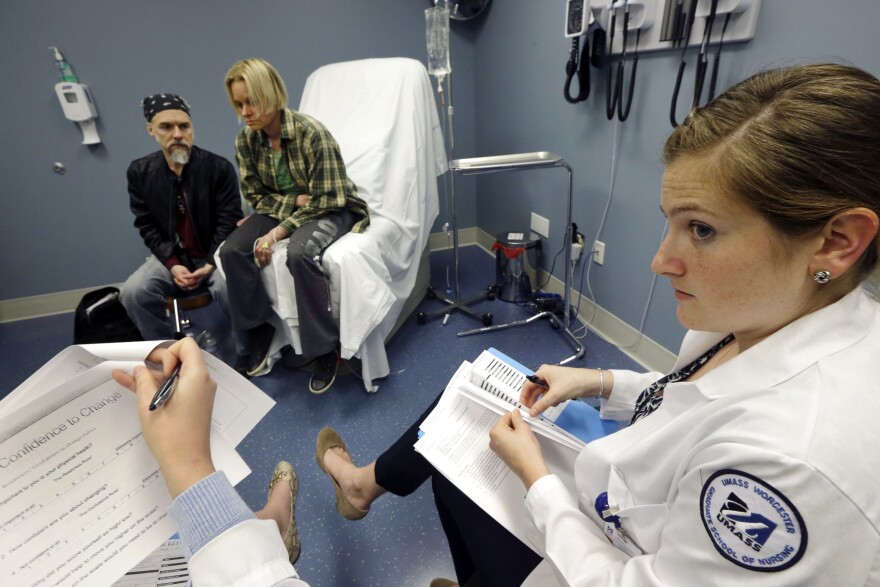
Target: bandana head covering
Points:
(156, 103)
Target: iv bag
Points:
(437, 36)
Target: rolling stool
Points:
(175, 306)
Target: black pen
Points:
(167, 388)
(537, 381)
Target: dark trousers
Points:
(482, 550)
(249, 304)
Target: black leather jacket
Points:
(212, 197)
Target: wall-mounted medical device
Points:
(579, 22)
(76, 101)
(672, 24)
(577, 18)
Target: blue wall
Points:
(61, 232)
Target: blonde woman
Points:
(292, 174)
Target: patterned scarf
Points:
(649, 400)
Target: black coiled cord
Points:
(581, 67)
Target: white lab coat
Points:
(250, 554)
(797, 420)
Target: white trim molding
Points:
(42, 305)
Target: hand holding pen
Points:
(553, 384)
(537, 381)
(532, 391)
(178, 435)
(169, 385)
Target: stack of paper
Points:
(82, 500)
(455, 436)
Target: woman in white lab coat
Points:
(758, 464)
(755, 461)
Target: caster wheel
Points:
(421, 318)
(430, 295)
(490, 295)
(487, 319)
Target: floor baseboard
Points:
(39, 306)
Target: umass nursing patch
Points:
(751, 523)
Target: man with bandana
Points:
(185, 202)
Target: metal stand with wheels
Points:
(520, 162)
(455, 303)
(451, 305)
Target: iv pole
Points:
(437, 33)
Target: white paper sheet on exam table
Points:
(81, 497)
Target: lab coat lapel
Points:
(781, 355)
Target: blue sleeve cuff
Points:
(206, 510)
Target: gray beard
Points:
(179, 156)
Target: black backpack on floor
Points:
(100, 317)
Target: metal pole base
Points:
(571, 339)
(450, 305)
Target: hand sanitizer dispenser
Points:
(76, 101)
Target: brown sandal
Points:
(328, 438)
(284, 472)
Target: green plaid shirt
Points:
(316, 168)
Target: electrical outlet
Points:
(540, 225)
(599, 252)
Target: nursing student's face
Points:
(728, 267)
(255, 119)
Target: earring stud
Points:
(822, 276)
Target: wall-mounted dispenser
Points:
(76, 100)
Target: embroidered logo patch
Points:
(751, 523)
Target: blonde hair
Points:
(796, 144)
(266, 89)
